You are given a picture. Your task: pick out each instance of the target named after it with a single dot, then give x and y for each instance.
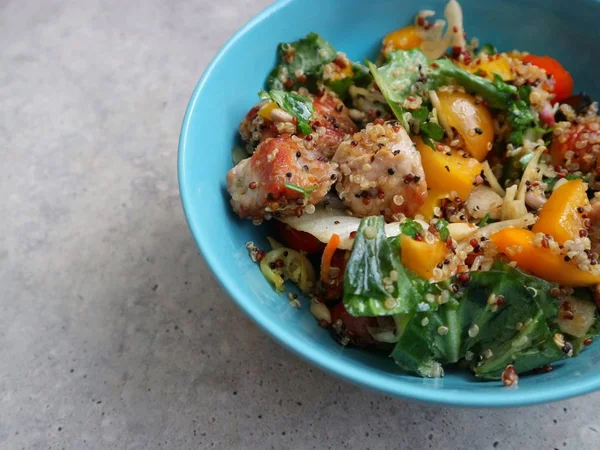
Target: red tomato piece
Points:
(563, 87)
(298, 240)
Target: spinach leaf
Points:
(516, 330)
(298, 106)
(375, 281)
(408, 73)
(303, 58)
(496, 95)
(300, 64)
(388, 94)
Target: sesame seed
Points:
(425, 322)
(442, 330)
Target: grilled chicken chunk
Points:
(381, 172)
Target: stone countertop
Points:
(113, 334)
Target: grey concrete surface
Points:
(113, 334)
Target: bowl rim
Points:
(355, 373)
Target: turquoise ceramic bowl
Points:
(565, 30)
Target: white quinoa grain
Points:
(473, 330)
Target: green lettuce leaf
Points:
(369, 289)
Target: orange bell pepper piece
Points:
(560, 217)
(420, 257)
(518, 244)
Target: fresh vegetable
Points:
(519, 246)
(287, 262)
(301, 64)
(354, 330)
(411, 228)
(445, 173)
(502, 317)
(298, 106)
(405, 38)
(297, 240)
(560, 217)
(563, 81)
(576, 316)
(498, 65)
(433, 201)
(376, 283)
(410, 73)
(421, 257)
(492, 319)
(332, 283)
(304, 191)
(497, 95)
(330, 249)
(406, 73)
(470, 119)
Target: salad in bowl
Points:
(439, 203)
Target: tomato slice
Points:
(298, 240)
(564, 84)
(356, 328)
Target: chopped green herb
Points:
(441, 227)
(483, 222)
(411, 228)
(488, 49)
(432, 131)
(420, 115)
(298, 106)
(306, 192)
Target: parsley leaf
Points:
(411, 228)
(304, 191)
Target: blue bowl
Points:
(565, 30)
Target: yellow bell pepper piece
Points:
(518, 245)
(265, 110)
(472, 121)
(559, 216)
(420, 257)
(446, 173)
(433, 200)
(500, 65)
(403, 39)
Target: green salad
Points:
(438, 203)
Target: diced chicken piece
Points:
(381, 173)
(282, 177)
(330, 124)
